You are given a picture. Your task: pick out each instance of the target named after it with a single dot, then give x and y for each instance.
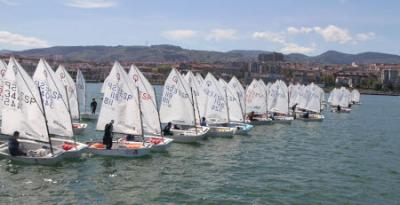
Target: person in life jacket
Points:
(93, 105)
(203, 122)
(13, 145)
(167, 129)
(107, 138)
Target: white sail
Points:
(281, 104)
(176, 103)
(3, 68)
(355, 96)
(293, 93)
(70, 86)
(120, 103)
(81, 90)
(302, 97)
(233, 102)
(334, 97)
(272, 95)
(314, 100)
(199, 95)
(238, 88)
(256, 98)
(148, 104)
(216, 107)
(54, 100)
(22, 108)
(344, 97)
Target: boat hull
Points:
(221, 131)
(159, 144)
(191, 135)
(283, 119)
(78, 128)
(33, 145)
(89, 116)
(241, 128)
(312, 117)
(74, 152)
(261, 121)
(120, 150)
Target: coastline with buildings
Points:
(374, 79)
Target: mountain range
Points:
(171, 53)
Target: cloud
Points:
(179, 34)
(20, 40)
(334, 34)
(92, 4)
(9, 2)
(365, 36)
(279, 38)
(293, 30)
(222, 34)
(270, 36)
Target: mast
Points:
(45, 120)
(158, 113)
(226, 102)
(140, 113)
(69, 112)
(241, 109)
(194, 111)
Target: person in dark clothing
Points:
(107, 138)
(130, 137)
(93, 105)
(203, 122)
(13, 145)
(339, 108)
(167, 129)
(294, 110)
(251, 116)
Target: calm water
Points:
(346, 159)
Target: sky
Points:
(290, 26)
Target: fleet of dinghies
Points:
(47, 110)
(342, 99)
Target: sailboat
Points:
(149, 112)
(278, 102)
(341, 99)
(81, 94)
(355, 97)
(121, 103)
(23, 111)
(3, 68)
(216, 109)
(55, 101)
(236, 115)
(72, 99)
(313, 104)
(179, 108)
(256, 103)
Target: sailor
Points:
(294, 110)
(338, 108)
(13, 145)
(167, 129)
(251, 116)
(93, 105)
(107, 138)
(203, 122)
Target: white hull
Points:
(159, 144)
(191, 135)
(220, 131)
(78, 128)
(121, 150)
(89, 116)
(311, 117)
(261, 121)
(283, 119)
(75, 152)
(241, 128)
(27, 146)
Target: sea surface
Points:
(346, 159)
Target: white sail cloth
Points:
(81, 90)
(232, 101)
(148, 104)
(22, 107)
(176, 103)
(216, 108)
(70, 87)
(238, 88)
(120, 103)
(256, 100)
(54, 100)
